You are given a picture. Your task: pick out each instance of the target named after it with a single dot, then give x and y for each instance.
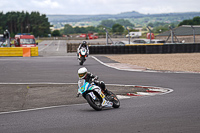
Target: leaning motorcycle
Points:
(95, 97)
(82, 55)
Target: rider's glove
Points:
(93, 80)
(78, 93)
(96, 78)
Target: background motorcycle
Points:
(95, 97)
(82, 55)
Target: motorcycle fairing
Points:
(85, 86)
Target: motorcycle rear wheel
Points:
(95, 104)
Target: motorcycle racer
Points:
(95, 92)
(83, 44)
(89, 77)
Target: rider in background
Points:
(83, 45)
(89, 77)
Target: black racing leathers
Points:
(83, 45)
(90, 78)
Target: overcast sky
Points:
(79, 7)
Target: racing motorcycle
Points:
(95, 97)
(82, 55)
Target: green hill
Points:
(79, 18)
(135, 17)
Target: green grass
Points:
(38, 41)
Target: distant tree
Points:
(163, 28)
(91, 29)
(107, 23)
(55, 33)
(194, 21)
(110, 23)
(150, 24)
(101, 31)
(77, 29)
(24, 22)
(101, 28)
(124, 22)
(156, 24)
(83, 30)
(117, 28)
(2, 22)
(68, 29)
(160, 29)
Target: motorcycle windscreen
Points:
(83, 51)
(83, 86)
(81, 82)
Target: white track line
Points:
(58, 45)
(105, 63)
(35, 109)
(45, 46)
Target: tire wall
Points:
(145, 49)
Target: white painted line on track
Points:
(58, 45)
(123, 97)
(35, 109)
(104, 63)
(41, 83)
(45, 46)
(50, 107)
(135, 70)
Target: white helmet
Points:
(82, 72)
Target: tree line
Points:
(24, 22)
(159, 27)
(194, 21)
(38, 25)
(114, 26)
(119, 27)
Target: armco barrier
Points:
(11, 51)
(19, 51)
(145, 49)
(34, 51)
(26, 52)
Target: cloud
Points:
(158, 9)
(46, 4)
(99, 6)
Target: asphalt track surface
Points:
(176, 112)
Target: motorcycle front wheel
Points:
(81, 61)
(115, 100)
(95, 104)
